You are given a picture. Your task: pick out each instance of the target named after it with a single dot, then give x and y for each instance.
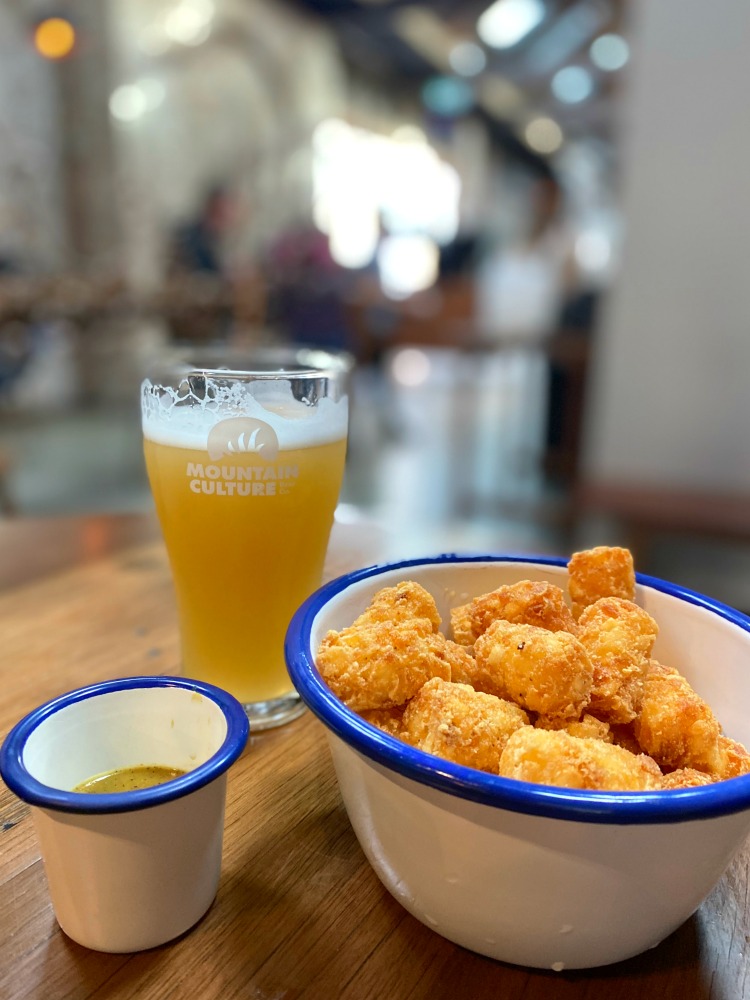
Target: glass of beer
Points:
(245, 456)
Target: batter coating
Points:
(545, 672)
(555, 758)
(527, 602)
(384, 664)
(619, 637)
(676, 726)
(460, 724)
(603, 571)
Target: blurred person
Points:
(198, 243)
(199, 297)
(308, 289)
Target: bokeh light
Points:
(407, 264)
(447, 96)
(506, 22)
(609, 52)
(54, 38)
(543, 135)
(410, 367)
(572, 84)
(363, 180)
(467, 59)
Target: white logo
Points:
(242, 434)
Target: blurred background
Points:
(528, 220)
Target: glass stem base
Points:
(276, 712)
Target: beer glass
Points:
(245, 456)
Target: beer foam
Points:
(178, 418)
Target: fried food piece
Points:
(390, 720)
(735, 759)
(460, 724)
(619, 637)
(383, 664)
(542, 671)
(404, 602)
(542, 604)
(587, 727)
(462, 663)
(686, 777)
(462, 625)
(676, 726)
(604, 571)
(624, 736)
(555, 758)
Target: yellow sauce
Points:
(128, 779)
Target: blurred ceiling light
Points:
(499, 96)
(409, 133)
(190, 21)
(128, 103)
(467, 58)
(565, 35)
(593, 250)
(54, 38)
(426, 33)
(447, 96)
(153, 91)
(609, 52)
(407, 264)
(362, 179)
(543, 135)
(572, 84)
(329, 135)
(410, 367)
(506, 22)
(353, 234)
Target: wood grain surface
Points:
(299, 912)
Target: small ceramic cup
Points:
(128, 870)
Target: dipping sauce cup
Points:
(128, 870)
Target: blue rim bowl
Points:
(35, 793)
(623, 808)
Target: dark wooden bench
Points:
(648, 511)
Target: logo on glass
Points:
(238, 435)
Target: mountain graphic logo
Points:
(238, 435)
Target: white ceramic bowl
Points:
(532, 874)
(128, 870)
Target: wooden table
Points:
(299, 912)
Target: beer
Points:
(246, 505)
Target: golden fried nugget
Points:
(542, 671)
(462, 625)
(604, 571)
(405, 601)
(676, 726)
(462, 663)
(587, 727)
(460, 724)
(685, 777)
(555, 758)
(390, 720)
(527, 602)
(619, 637)
(383, 664)
(735, 759)
(623, 736)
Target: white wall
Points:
(670, 398)
(31, 218)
